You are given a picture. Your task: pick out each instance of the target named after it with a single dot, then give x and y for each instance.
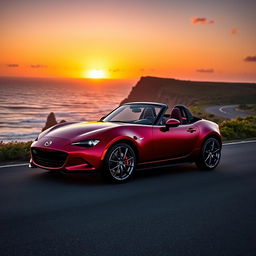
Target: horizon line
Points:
(116, 79)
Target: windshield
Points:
(137, 114)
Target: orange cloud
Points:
(114, 70)
(234, 31)
(202, 70)
(250, 58)
(38, 66)
(12, 65)
(201, 21)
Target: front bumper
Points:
(61, 155)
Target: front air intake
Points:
(53, 158)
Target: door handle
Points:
(191, 130)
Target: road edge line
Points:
(13, 165)
(239, 142)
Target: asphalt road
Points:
(226, 111)
(173, 211)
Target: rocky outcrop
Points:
(51, 121)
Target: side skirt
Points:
(165, 164)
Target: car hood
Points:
(79, 131)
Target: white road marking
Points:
(224, 144)
(239, 142)
(12, 165)
(221, 110)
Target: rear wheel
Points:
(119, 163)
(210, 154)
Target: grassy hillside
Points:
(191, 93)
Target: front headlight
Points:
(86, 143)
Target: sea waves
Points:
(26, 103)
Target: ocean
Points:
(25, 103)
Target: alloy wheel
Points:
(121, 162)
(211, 154)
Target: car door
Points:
(173, 142)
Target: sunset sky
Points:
(193, 39)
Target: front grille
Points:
(55, 159)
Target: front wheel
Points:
(210, 154)
(119, 163)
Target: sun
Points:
(96, 74)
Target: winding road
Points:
(172, 211)
(226, 111)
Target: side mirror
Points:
(172, 122)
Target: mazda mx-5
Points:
(134, 136)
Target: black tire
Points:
(119, 163)
(210, 154)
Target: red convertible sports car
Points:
(134, 136)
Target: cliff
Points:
(173, 91)
(189, 93)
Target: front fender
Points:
(117, 139)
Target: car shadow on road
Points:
(94, 179)
(166, 171)
(83, 179)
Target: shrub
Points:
(249, 108)
(240, 128)
(14, 151)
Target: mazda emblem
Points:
(48, 143)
